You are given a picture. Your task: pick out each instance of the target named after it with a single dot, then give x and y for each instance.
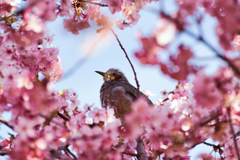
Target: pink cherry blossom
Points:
(97, 115)
(113, 5)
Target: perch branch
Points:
(234, 136)
(135, 74)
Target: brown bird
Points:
(117, 93)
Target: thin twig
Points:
(141, 153)
(120, 44)
(234, 136)
(213, 145)
(3, 153)
(63, 117)
(207, 119)
(67, 149)
(68, 154)
(99, 4)
(57, 123)
(131, 154)
(6, 123)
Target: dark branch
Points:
(120, 44)
(6, 123)
(206, 120)
(234, 136)
(130, 154)
(141, 153)
(63, 117)
(57, 123)
(99, 4)
(69, 152)
(3, 153)
(209, 144)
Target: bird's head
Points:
(112, 75)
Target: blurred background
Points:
(89, 51)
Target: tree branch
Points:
(63, 117)
(69, 152)
(3, 153)
(141, 153)
(6, 123)
(99, 4)
(120, 44)
(131, 154)
(57, 123)
(234, 136)
(207, 119)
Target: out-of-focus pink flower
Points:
(133, 18)
(149, 51)
(48, 40)
(206, 156)
(25, 128)
(113, 5)
(187, 7)
(102, 21)
(25, 79)
(164, 32)
(97, 115)
(74, 25)
(6, 9)
(110, 117)
(215, 87)
(5, 143)
(135, 119)
(121, 25)
(178, 68)
(34, 25)
(93, 11)
(65, 7)
(236, 40)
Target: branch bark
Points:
(131, 154)
(57, 123)
(141, 153)
(63, 117)
(234, 136)
(6, 123)
(69, 152)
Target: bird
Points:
(117, 93)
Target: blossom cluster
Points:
(180, 122)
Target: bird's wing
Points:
(133, 92)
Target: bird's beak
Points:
(101, 73)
